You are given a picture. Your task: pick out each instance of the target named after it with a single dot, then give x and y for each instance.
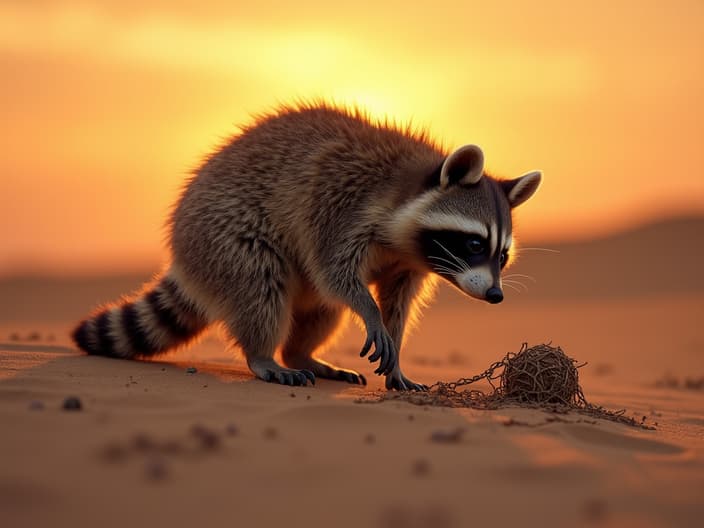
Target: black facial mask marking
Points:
(449, 252)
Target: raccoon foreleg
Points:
(344, 262)
(397, 293)
(384, 349)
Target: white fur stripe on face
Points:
(503, 242)
(509, 241)
(405, 220)
(493, 239)
(441, 221)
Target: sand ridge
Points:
(155, 444)
(312, 456)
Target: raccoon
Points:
(309, 214)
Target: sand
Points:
(154, 443)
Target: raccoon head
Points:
(460, 226)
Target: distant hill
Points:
(52, 299)
(663, 258)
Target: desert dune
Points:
(194, 439)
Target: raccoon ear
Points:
(519, 190)
(464, 165)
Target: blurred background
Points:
(107, 105)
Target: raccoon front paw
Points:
(397, 381)
(384, 350)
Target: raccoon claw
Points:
(289, 377)
(384, 351)
(367, 345)
(309, 375)
(351, 377)
(399, 382)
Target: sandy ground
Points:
(154, 443)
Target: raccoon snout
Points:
(494, 295)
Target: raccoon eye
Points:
(503, 258)
(475, 246)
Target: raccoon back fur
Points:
(283, 230)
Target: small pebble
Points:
(210, 441)
(293, 395)
(163, 369)
(72, 404)
(370, 439)
(232, 430)
(34, 336)
(155, 469)
(441, 436)
(595, 510)
(271, 433)
(114, 453)
(207, 438)
(308, 397)
(36, 405)
(411, 417)
(421, 467)
(191, 370)
(198, 430)
(143, 442)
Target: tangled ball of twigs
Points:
(540, 374)
(541, 377)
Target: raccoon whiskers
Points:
(514, 284)
(446, 264)
(521, 249)
(445, 268)
(440, 270)
(513, 287)
(521, 275)
(462, 264)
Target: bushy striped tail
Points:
(158, 320)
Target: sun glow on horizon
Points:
(108, 107)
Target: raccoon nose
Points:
(494, 295)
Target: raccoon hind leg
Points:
(259, 306)
(311, 328)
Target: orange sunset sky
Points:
(106, 105)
